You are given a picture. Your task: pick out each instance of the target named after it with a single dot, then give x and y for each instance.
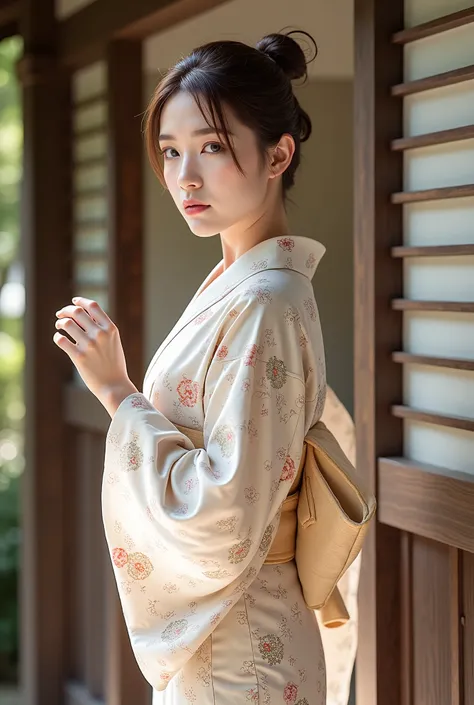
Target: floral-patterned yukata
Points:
(189, 529)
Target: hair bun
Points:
(287, 53)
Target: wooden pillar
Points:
(46, 252)
(125, 683)
(378, 381)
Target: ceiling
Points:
(330, 22)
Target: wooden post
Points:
(46, 251)
(378, 382)
(125, 683)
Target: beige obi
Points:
(282, 549)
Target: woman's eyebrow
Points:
(202, 131)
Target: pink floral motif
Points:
(120, 557)
(250, 357)
(139, 566)
(203, 317)
(252, 695)
(222, 352)
(286, 243)
(188, 392)
(140, 403)
(290, 693)
(239, 551)
(289, 470)
(165, 676)
(233, 313)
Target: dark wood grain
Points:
(440, 80)
(437, 26)
(406, 412)
(378, 381)
(442, 306)
(434, 194)
(451, 363)
(456, 134)
(46, 244)
(431, 622)
(437, 503)
(125, 682)
(467, 626)
(434, 251)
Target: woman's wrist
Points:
(113, 396)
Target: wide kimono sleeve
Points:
(188, 529)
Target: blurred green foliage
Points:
(12, 409)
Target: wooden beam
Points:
(433, 502)
(378, 381)
(84, 36)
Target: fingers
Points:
(73, 329)
(94, 310)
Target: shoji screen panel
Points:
(90, 150)
(90, 183)
(438, 234)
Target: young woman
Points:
(190, 524)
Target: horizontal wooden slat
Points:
(89, 102)
(406, 412)
(437, 503)
(89, 255)
(433, 251)
(88, 132)
(90, 162)
(456, 134)
(452, 363)
(91, 224)
(446, 306)
(440, 80)
(84, 411)
(85, 193)
(429, 29)
(434, 194)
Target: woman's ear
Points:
(281, 155)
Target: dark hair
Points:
(254, 82)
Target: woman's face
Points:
(198, 165)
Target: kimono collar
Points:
(301, 254)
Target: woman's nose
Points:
(188, 176)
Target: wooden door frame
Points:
(378, 173)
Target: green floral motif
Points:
(239, 551)
(131, 456)
(225, 437)
(174, 630)
(276, 372)
(271, 649)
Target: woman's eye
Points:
(215, 144)
(168, 149)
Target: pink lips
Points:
(194, 210)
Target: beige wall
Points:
(177, 261)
